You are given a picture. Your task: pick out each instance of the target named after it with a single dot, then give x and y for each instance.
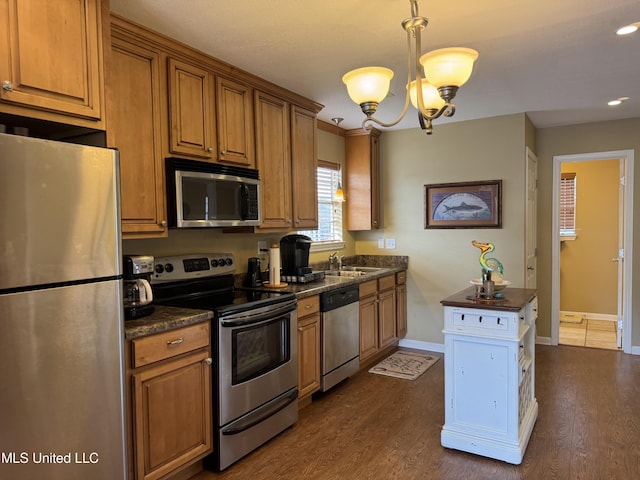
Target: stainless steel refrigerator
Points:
(61, 315)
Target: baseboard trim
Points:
(419, 345)
(543, 341)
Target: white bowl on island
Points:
(500, 285)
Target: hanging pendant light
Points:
(445, 70)
(338, 195)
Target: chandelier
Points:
(445, 70)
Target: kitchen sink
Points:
(354, 271)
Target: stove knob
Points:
(168, 267)
(214, 263)
(159, 268)
(229, 261)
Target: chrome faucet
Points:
(335, 262)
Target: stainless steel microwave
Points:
(202, 194)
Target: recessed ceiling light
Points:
(627, 29)
(617, 101)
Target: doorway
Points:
(623, 255)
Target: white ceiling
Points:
(559, 61)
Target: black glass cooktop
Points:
(215, 294)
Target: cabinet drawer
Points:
(368, 288)
(401, 277)
(489, 321)
(309, 305)
(169, 344)
(385, 283)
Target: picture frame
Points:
(463, 205)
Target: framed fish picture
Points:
(463, 205)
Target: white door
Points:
(531, 220)
(620, 255)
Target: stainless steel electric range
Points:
(255, 350)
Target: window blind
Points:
(568, 204)
(329, 210)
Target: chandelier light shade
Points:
(448, 66)
(368, 85)
(431, 98)
(439, 72)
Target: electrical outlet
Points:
(390, 243)
(262, 247)
(381, 243)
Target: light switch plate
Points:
(262, 247)
(390, 243)
(381, 243)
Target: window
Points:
(329, 232)
(568, 205)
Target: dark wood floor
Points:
(377, 427)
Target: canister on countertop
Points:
(274, 265)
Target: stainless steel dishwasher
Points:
(340, 318)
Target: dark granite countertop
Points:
(331, 282)
(514, 299)
(163, 319)
(169, 318)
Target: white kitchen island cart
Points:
(490, 404)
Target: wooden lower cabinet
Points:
(377, 315)
(401, 304)
(170, 399)
(308, 346)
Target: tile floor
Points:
(589, 333)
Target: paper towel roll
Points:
(274, 265)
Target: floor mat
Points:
(405, 365)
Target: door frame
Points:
(531, 222)
(627, 218)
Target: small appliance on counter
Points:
(254, 274)
(138, 296)
(294, 251)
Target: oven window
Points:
(259, 349)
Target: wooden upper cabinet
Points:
(273, 160)
(304, 165)
(51, 60)
(362, 183)
(235, 123)
(192, 122)
(135, 127)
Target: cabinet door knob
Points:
(163, 223)
(7, 86)
(208, 361)
(210, 149)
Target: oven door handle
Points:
(262, 413)
(252, 317)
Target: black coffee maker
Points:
(294, 254)
(138, 296)
(254, 275)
